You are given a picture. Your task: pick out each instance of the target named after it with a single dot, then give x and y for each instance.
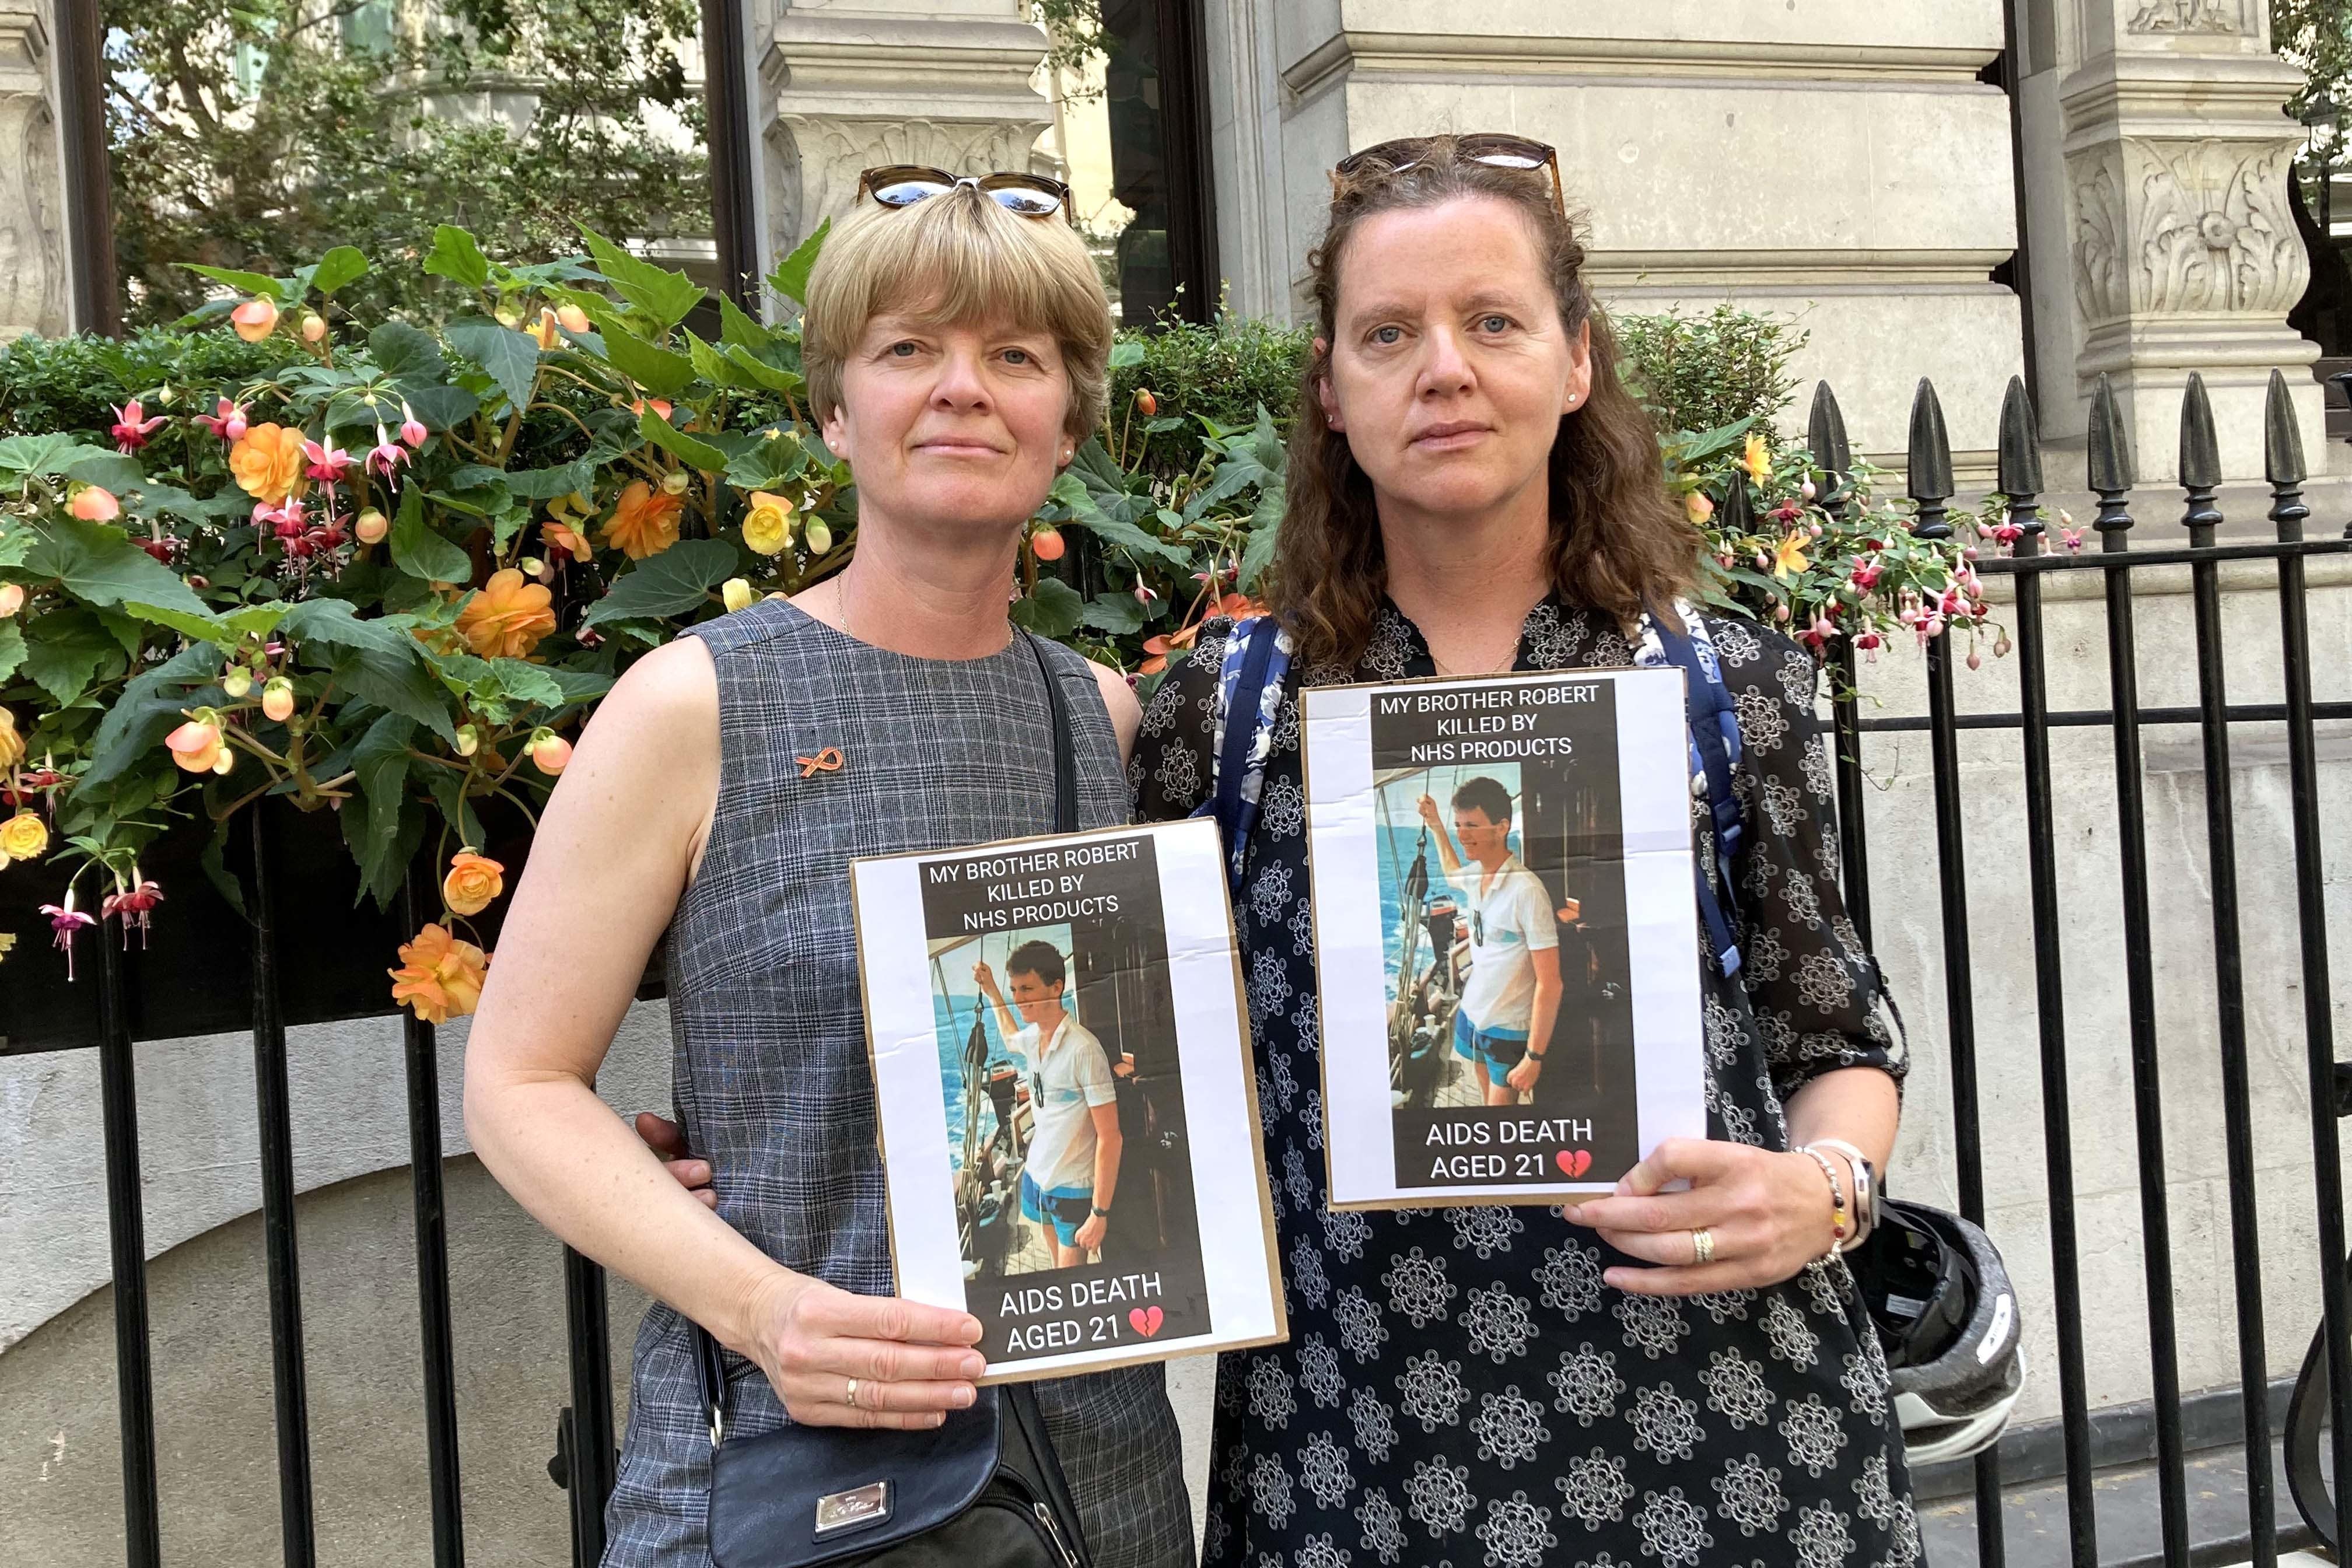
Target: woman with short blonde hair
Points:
(956, 352)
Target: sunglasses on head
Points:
(1494, 149)
(1028, 195)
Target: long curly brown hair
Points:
(1619, 542)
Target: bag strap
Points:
(1714, 744)
(709, 1371)
(1255, 668)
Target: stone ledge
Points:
(1905, 271)
(1709, 59)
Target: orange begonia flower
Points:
(196, 746)
(644, 522)
(439, 976)
(255, 320)
(267, 463)
(507, 617)
(564, 537)
(474, 880)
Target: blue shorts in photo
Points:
(1066, 1207)
(1497, 1050)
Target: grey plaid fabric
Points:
(770, 1073)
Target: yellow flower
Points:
(1699, 507)
(735, 593)
(507, 617)
(22, 836)
(1788, 556)
(439, 976)
(644, 522)
(542, 332)
(267, 462)
(8, 941)
(767, 526)
(12, 745)
(473, 882)
(1758, 458)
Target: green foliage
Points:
(2316, 35)
(1224, 373)
(71, 384)
(1701, 372)
(258, 136)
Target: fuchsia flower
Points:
(412, 429)
(227, 421)
(132, 426)
(2072, 538)
(1817, 636)
(1870, 643)
(326, 464)
(1866, 573)
(1143, 593)
(66, 922)
(136, 903)
(386, 456)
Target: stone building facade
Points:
(1859, 168)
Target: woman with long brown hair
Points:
(1679, 1377)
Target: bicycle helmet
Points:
(1948, 1321)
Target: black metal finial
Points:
(2282, 461)
(1739, 504)
(2113, 472)
(2201, 447)
(1928, 466)
(2201, 462)
(1832, 453)
(2021, 452)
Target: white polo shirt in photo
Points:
(1069, 1076)
(1512, 918)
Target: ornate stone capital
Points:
(2177, 227)
(2223, 18)
(814, 160)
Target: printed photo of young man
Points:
(1071, 1174)
(1512, 996)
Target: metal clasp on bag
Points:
(853, 1510)
(1053, 1530)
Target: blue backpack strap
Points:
(1249, 699)
(1714, 742)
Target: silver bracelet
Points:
(1865, 1188)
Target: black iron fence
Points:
(583, 1461)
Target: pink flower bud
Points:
(277, 699)
(550, 753)
(412, 429)
(12, 599)
(92, 504)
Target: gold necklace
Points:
(1490, 667)
(841, 603)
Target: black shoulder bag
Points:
(980, 1490)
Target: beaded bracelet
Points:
(1838, 1221)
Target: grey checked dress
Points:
(1460, 1387)
(771, 1074)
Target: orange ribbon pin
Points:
(826, 762)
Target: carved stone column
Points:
(949, 83)
(2162, 242)
(33, 293)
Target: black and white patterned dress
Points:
(1460, 1387)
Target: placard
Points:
(1053, 1020)
(1469, 841)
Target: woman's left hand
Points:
(1765, 1214)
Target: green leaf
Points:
(456, 257)
(769, 377)
(739, 331)
(227, 630)
(712, 365)
(1117, 613)
(448, 791)
(666, 296)
(511, 357)
(1054, 610)
(658, 370)
(693, 453)
(1086, 513)
(99, 565)
(420, 552)
(546, 484)
(215, 861)
(49, 455)
(792, 274)
(12, 649)
(379, 660)
(582, 684)
(437, 406)
(243, 282)
(147, 710)
(65, 650)
(400, 349)
(339, 267)
(1258, 554)
(116, 471)
(526, 682)
(677, 580)
(1125, 353)
(378, 765)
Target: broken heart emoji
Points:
(1147, 1320)
(1575, 1162)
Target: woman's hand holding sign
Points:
(1764, 1215)
(837, 1359)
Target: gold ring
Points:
(1702, 1245)
(850, 1398)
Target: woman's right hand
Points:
(910, 1363)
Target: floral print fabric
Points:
(1460, 1387)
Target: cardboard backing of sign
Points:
(1561, 837)
(992, 1119)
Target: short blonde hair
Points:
(958, 257)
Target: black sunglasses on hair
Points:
(1029, 195)
(1495, 149)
